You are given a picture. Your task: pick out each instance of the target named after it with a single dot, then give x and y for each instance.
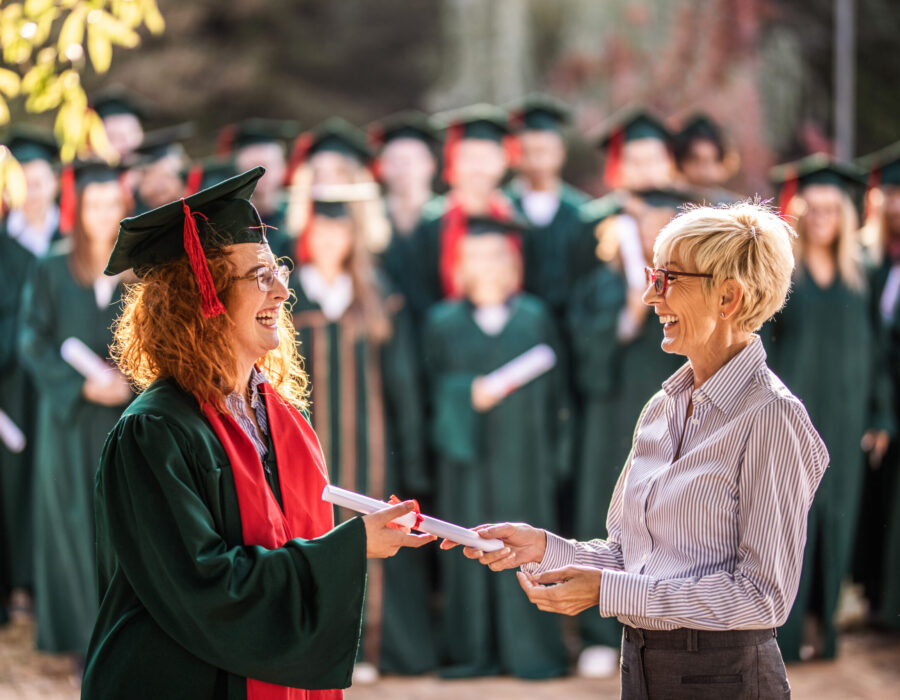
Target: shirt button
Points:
(695, 421)
(642, 518)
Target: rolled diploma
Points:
(85, 361)
(519, 371)
(433, 526)
(632, 253)
(10, 434)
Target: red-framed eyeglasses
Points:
(660, 277)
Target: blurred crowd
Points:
(431, 255)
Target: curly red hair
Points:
(162, 333)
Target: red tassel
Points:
(68, 199)
(303, 254)
(513, 148)
(300, 150)
(194, 180)
(612, 172)
(225, 140)
(788, 190)
(209, 302)
(454, 134)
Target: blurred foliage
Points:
(46, 45)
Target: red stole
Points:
(453, 230)
(302, 475)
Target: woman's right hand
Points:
(524, 544)
(383, 541)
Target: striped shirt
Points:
(237, 407)
(710, 536)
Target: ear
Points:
(729, 298)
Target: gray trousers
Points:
(696, 664)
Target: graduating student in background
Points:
(497, 456)
(704, 159)
(25, 235)
(556, 248)
(357, 342)
(825, 345)
(407, 166)
(159, 166)
(67, 296)
(123, 114)
(618, 366)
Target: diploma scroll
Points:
(85, 361)
(433, 526)
(10, 434)
(519, 371)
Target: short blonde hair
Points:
(746, 242)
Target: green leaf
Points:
(99, 49)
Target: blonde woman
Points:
(708, 520)
(825, 346)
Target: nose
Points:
(279, 291)
(650, 297)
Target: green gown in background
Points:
(425, 243)
(18, 401)
(366, 408)
(70, 435)
(825, 346)
(502, 465)
(187, 609)
(615, 379)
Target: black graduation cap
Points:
(89, 172)
(206, 172)
(28, 143)
(215, 217)
(699, 127)
(251, 132)
(493, 226)
(161, 143)
(120, 100)
(479, 121)
(668, 197)
(409, 124)
(818, 169)
(539, 112)
(632, 124)
(883, 165)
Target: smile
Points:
(268, 318)
(668, 320)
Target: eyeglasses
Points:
(660, 277)
(266, 275)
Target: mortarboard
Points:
(817, 169)
(537, 112)
(409, 124)
(480, 121)
(28, 143)
(883, 166)
(630, 124)
(251, 132)
(119, 100)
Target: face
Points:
(407, 164)
(892, 210)
(124, 132)
(542, 156)
(330, 242)
(478, 165)
(160, 181)
(254, 311)
(702, 165)
(330, 168)
(40, 185)
(489, 269)
(268, 155)
(689, 318)
(102, 208)
(822, 215)
(646, 164)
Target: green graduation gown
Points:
(189, 611)
(824, 345)
(18, 401)
(615, 379)
(70, 434)
(366, 408)
(505, 464)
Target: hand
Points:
(876, 443)
(482, 399)
(524, 544)
(571, 590)
(113, 390)
(382, 541)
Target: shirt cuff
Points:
(558, 554)
(624, 594)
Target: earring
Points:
(722, 314)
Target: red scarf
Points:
(453, 230)
(302, 475)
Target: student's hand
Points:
(524, 544)
(113, 391)
(875, 443)
(383, 541)
(482, 399)
(567, 591)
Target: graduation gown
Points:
(187, 609)
(366, 408)
(18, 401)
(70, 433)
(824, 345)
(615, 379)
(504, 464)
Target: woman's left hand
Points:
(567, 591)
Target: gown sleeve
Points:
(289, 616)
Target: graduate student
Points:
(26, 234)
(496, 453)
(704, 159)
(839, 376)
(355, 334)
(220, 571)
(68, 297)
(159, 167)
(123, 114)
(554, 247)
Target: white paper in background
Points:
(520, 370)
(10, 435)
(85, 361)
(632, 251)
